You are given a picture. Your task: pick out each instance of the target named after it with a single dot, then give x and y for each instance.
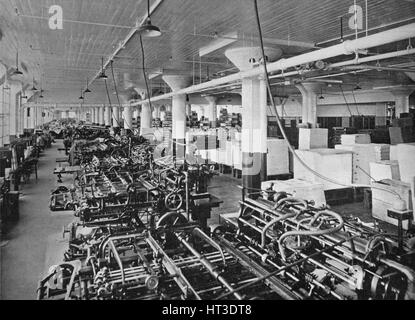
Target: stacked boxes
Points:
(363, 154)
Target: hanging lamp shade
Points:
(102, 75)
(17, 71)
(321, 95)
(87, 89)
(147, 29)
(33, 87)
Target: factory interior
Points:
(207, 150)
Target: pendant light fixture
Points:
(87, 89)
(41, 93)
(321, 94)
(17, 71)
(357, 84)
(102, 74)
(147, 29)
(33, 87)
(81, 97)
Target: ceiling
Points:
(61, 61)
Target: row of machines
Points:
(142, 233)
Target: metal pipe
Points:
(212, 270)
(199, 233)
(118, 259)
(344, 48)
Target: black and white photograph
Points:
(227, 151)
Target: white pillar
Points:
(177, 82)
(145, 118)
(401, 100)
(115, 117)
(128, 119)
(101, 111)
(93, 114)
(14, 111)
(107, 116)
(309, 92)
(156, 111)
(211, 110)
(254, 120)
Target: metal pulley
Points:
(173, 201)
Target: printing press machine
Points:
(143, 234)
(283, 249)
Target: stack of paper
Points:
(331, 163)
(363, 154)
(348, 139)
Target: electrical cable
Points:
(116, 93)
(290, 147)
(109, 99)
(344, 97)
(144, 71)
(355, 103)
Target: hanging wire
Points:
(116, 93)
(345, 100)
(144, 71)
(355, 103)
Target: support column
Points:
(115, 117)
(15, 94)
(156, 111)
(401, 99)
(188, 109)
(107, 116)
(128, 117)
(145, 117)
(101, 112)
(254, 116)
(309, 92)
(254, 132)
(93, 115)
(177, 82)
(211, 110)
(29, 118)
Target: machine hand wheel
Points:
(173, 201)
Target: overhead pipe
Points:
(379, 68)
(344, 48)
(381, 56)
